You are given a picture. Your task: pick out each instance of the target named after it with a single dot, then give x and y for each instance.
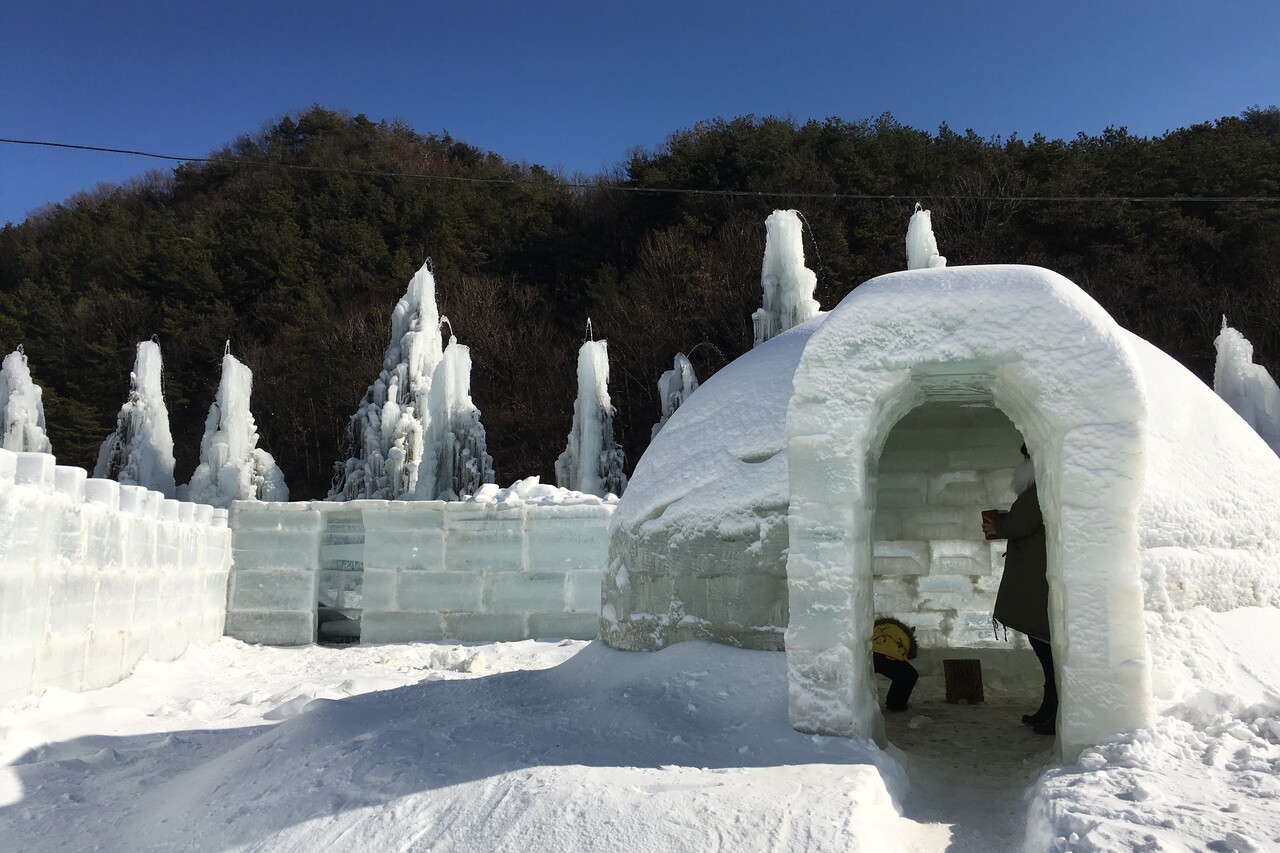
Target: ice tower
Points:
(455, 461)
(386, 434)
(232, 466)
(787, 284)
(21, 411)
(922, 247)
(592, 461)
(1247, 387)
(674, 387)
(140, 451)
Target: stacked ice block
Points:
(95, 575)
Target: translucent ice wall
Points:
(592, 461)
(140, 451)
(1247, 387)
(455, 461)
(95, 575)
(21, 412)
(922, 247)
(386, 434)
(674, 387)
(507, 564)
(232, 466)
(786, 282)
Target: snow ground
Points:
(575, 746)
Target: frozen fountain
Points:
(592, 462)
(922, 246)
(788, 285)
(21, 412)
(140, 451)
(232, 466)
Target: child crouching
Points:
(892, 645)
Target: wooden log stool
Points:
(964, 681)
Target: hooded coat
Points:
(1022, 602)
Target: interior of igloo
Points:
(941, 465)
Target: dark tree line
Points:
(300, 267)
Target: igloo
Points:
(838, 471)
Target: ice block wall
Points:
(95, 575)
(418, 570)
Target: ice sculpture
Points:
(232, 466)
(922, 247)
(592, 462)
(140, 451)
(386, 434)
(674, 387)
(455, 461)
(1246, 387)
(787, 283)
(21, 412)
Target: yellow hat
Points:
(893, 639)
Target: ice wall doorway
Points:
(1035, 346)
(942, 464)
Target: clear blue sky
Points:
(575, 84)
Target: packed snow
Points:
(554, 746)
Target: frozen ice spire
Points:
(140, 451)
(592, 462)
(455, 461)
(232, 466)
(1246, 387)
(386, 434)
(674, 387)
(922, 247)
(21, 411)
(787, 283)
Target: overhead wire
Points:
(606, 187)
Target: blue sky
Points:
(576, 84)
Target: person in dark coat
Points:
(1022, 602)
(893, 644)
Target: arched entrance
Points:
(1036, 347)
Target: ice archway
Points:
(1030, 343)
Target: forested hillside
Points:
(300, 267)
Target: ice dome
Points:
(837, 472)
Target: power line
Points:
(1168, 199)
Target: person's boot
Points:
(1048, 727)
(1047, 711)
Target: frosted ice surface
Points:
(674, 387)
(922, 247)
(1247, 387)
(232, 466)
(140, 451)
(21, 411)
(592, 461)
(787, 284)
